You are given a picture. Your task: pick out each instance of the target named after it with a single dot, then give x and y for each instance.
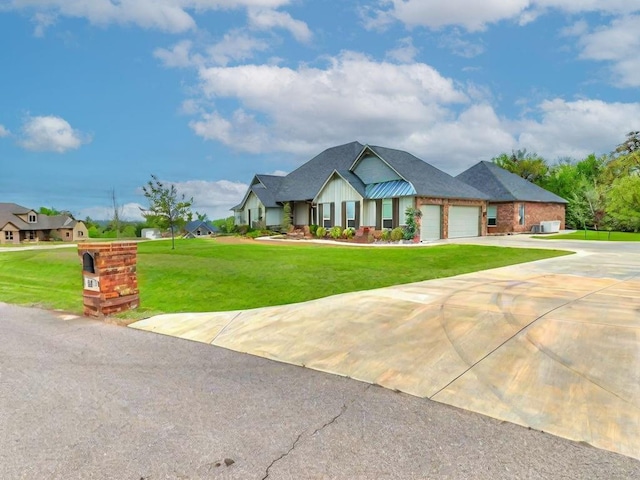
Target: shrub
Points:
(349, 232)
(412, 217)
(386, 235)
(286, 218)
(243, 229)
(397, 234)
(313, 229)
(335, 232)
(254, 234)
(321, 232)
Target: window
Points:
(387, 213)
(67, 234)
(80, 233)
(326, 215)
(521, 214)
(8, 235)
(33, 218)
(492, 216)
(351, 214)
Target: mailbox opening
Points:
(88, 264)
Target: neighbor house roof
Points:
(503, 186)
(9, 214)
(194, 225)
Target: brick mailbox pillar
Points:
(110, 283)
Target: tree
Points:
(624, 203)
(630, 145)
(286, 217)
(529, 166)
(166, 208)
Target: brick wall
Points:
(446, 202)
(534, 213)
(115, 272)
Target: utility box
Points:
(110, 280)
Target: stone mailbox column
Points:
(110, 282)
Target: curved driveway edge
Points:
(552, 345)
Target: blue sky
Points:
(95, 96)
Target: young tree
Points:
(165, 206)
(529, 166)
(286, 217)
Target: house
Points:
(259, 206)
(515, 204)
(356, 185)
(22, 224)
(199, 228)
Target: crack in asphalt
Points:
(343, 409)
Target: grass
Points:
(204, 275)
(601, 235)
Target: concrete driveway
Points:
(553, 345)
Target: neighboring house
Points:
(357, 185)
(259, 204)
(515, 204)
(199, 228)
(151, 233)
(21, 224)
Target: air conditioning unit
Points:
(551, 226)
(537, 229)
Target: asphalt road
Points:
(80, 399)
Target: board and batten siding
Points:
(336, 191)
(300, 213)
(274, 216)
(404, 203)
(371, 169)
(369, 213)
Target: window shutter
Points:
(344, 215)
(357, 215)
(321, 214)
(396, 212)
(333, 214)
(379, 214)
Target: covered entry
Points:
(464, 221)
(430, 226)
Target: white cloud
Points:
(578, 128)
(234, 46)
(178, 56)
(619, 44)
(405, 52)
(213, 198)
(474, 15)
(130, 212)
(267, 19)
(50, 134)
(458, 46)
(279, 173)
(297, 110)
(167, 15)
(42, 21)
(4, 132)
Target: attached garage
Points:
(430, 225)
(464, 221)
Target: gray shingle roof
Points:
(9, 212)
(193, 225)
(305, 182)
(504, 186)
(267, 189)
(427, 179)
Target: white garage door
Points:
(430, 223)
(464, 221)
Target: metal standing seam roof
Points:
(503, 186)
(394, 188)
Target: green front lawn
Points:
(204, 275)
(601, 235)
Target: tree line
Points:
(603, 191)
